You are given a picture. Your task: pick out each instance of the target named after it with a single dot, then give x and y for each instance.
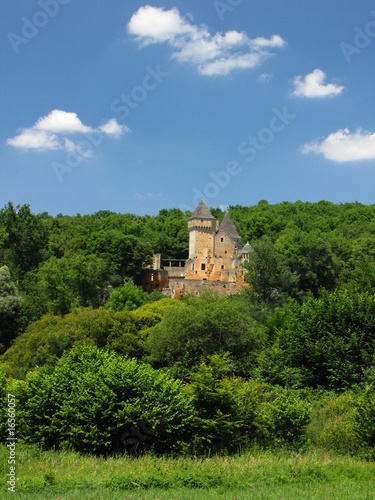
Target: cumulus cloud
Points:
(312, 86)
(62, 122)
(213, 54)
(112, 128)
(34, 139)
(343, 146)
(49, 133)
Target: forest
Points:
(98, 366)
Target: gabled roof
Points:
(228, 227)
(202, 212)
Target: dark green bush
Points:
(96, 401)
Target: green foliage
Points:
(208, 325)
(326, 342)
(305, 321)
(10, 305)
(267, 272)
(24, 239)
(365, 421)
(281, 419)
(344, 423)
(124, 254)
(92, 397)
(130, 297)
(226, 407)
(45, 340)
(72, 281)
(310, 257)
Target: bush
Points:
(207, 325)
(96, 401)
(282, 418)
(333, 424)
(327, 342)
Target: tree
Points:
(126, 255)
(10, 305)
(25, 245)
(72, 281)
(267, 272)
(207, 325)
(310, 257)
(327, 342)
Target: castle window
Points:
(203, 267)
(221, 239)
(226, 251)
(192, 267)
(222, 267)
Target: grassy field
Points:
(278, 475)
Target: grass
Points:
(278, 475)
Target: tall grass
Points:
(257, 474)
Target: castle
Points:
(215, 258)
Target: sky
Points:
(134, 107)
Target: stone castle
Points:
(215, 258)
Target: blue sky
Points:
(135, 106)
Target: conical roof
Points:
(247, 248)
(202, 212)
(228, 227)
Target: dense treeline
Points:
(98, 365)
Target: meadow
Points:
(256, 474)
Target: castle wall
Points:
(180, 287)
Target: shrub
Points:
(96, 401)
(282, 418)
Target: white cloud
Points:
(78, 148)
(274, 41)
(343, 146)
(112, 128)
(153, 24)
(49, 133)
(312, 86)
(216, 54)
(35, 139)
(62, 122)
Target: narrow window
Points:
(222, 267)
(203, 267)
(221, 239)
